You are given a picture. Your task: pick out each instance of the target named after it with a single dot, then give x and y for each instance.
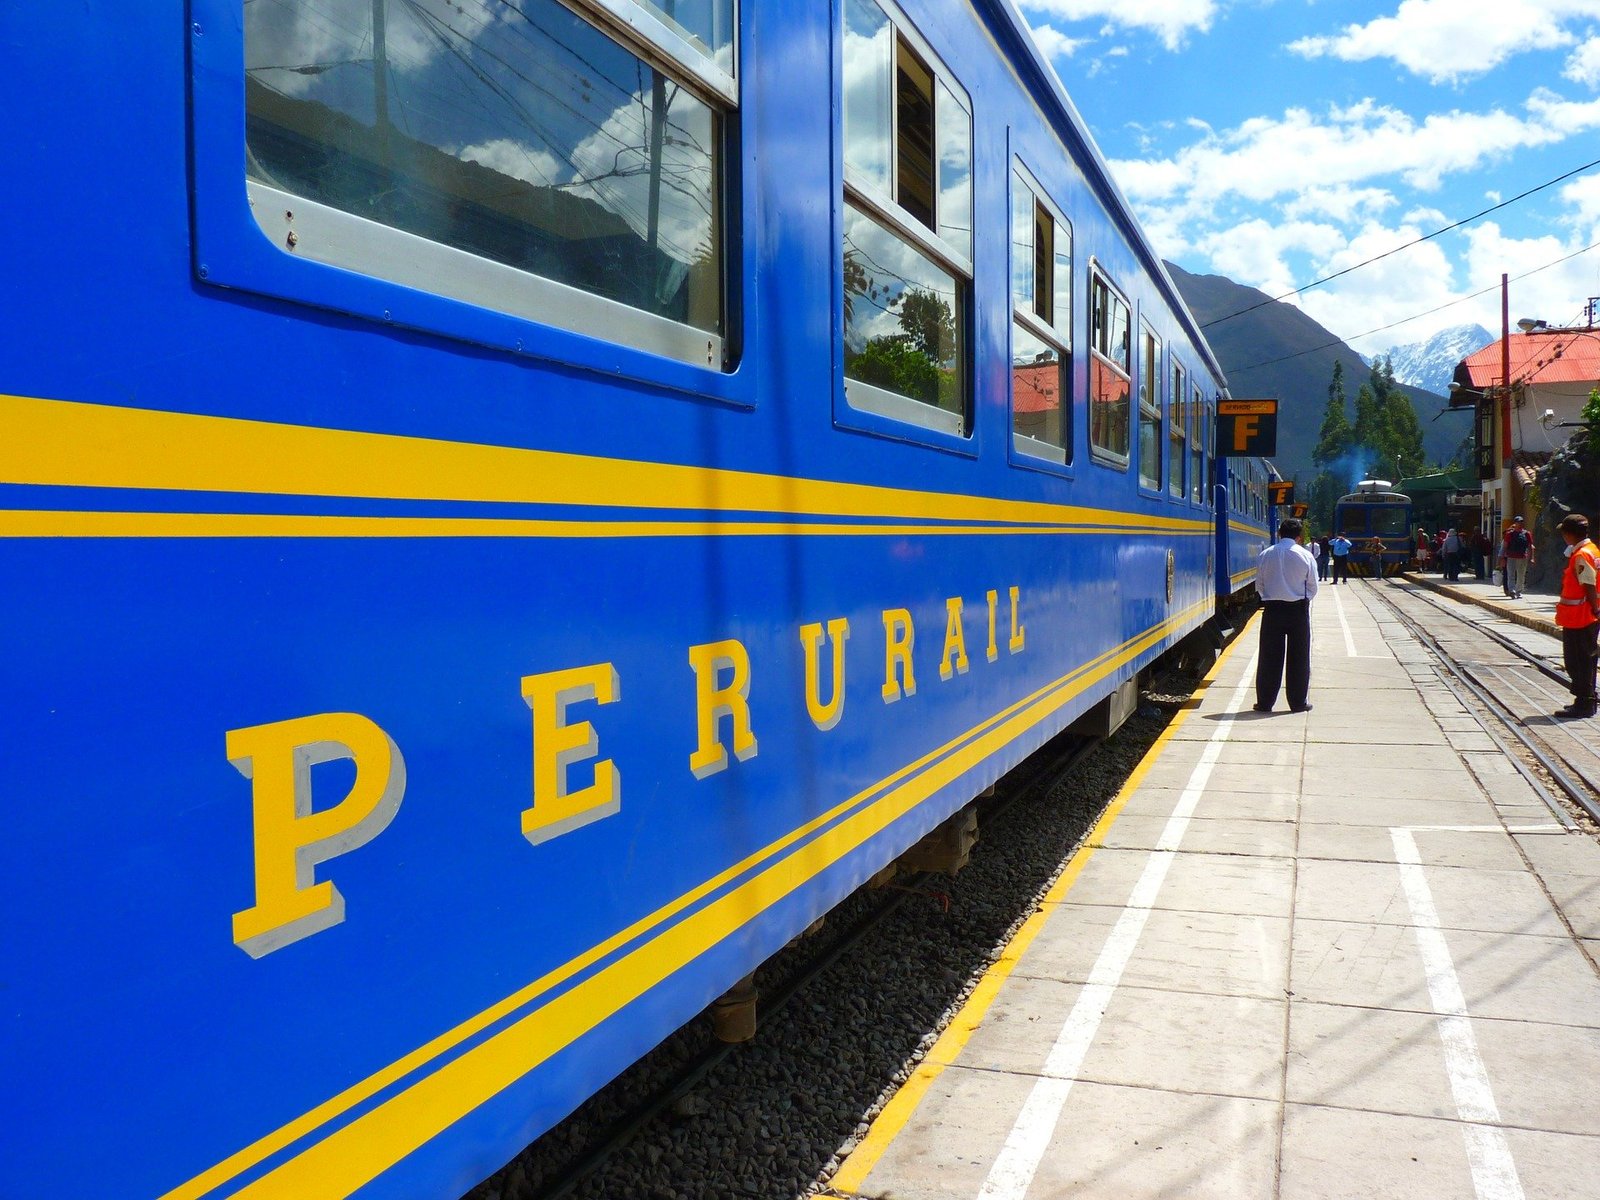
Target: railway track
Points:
(1490, 671)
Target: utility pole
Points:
(1505, 372)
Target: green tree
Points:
(1591, 418)
(929, 324)
(1402, 433)
(1336, 437)
(1368, 432)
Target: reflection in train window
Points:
(522, 135)
(1150, 405)
(1108, 371)
(907, 224)
(1041, 325)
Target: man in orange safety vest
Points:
(1578, 614)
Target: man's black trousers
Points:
(1578, 648)
(1341, 568)
(1285, 633)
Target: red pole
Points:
(1505, 372)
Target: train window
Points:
(1150, 405)
(1208, 435)
(1041, 345)
(533, 159)
(1108, 371)
(1197, 453)
(1177, 431)
(907, 224)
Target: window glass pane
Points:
(1150, 410)
(519, 134)
(706, 23)
(1108, 407)
(1117, 348)
(1044, 242)
(868, 92)
(1149, 450)
(955, 172)
(1197, 456)
(1021, 243)
(1177, 453)
(1063, 281)
(1038, 391)
(903, 317)
(914, 135)
(1389, 522)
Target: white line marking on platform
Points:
(1030, 1136)
(1485, 828)
(1494, 1172)
(1349, 640)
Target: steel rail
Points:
(1426, 596)
(1581, 796)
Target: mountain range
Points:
(1432, 364)
(1276, 350)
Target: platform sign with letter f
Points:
(1247, 428)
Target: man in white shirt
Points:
(1286, 580)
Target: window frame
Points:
(1056, 333)
(1110, 459)
(1177, 432)
(395, 278)
(1148, 407)
(865, 407)
(1197, 401)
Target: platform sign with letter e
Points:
(1280, 492)
(1247, 428)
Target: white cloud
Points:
(1340, 202)
(1300, 152)
(1053, 43)
(1447, 40)
(1583, 197)
(1170, 20)
(1583, 65)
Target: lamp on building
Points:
(1529, 324)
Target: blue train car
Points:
(1378, 522)
(511, 512)
(1246, 521)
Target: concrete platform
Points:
(1339, 954)
(1534, 610)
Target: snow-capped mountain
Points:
(1431, 364)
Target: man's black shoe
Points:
(1303, 708)
(1577, 711)
(1266, 708)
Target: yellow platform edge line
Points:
(895, 1115)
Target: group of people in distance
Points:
(1452, 551)
(1286, 581)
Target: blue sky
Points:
(1276, 141)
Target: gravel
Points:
(776, 1117)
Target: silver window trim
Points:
(866, 397)
(1038, 448)
(1045, 333)
(643, 31)
(887, 212)
(336, 238)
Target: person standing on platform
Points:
(1339, 547)
(1518, 551)
(1482, 548)
(1286, 579)
(1452, 556)
(1578, 614)
(1320, 553)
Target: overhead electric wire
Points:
(1406, 246)
(1413, 317)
